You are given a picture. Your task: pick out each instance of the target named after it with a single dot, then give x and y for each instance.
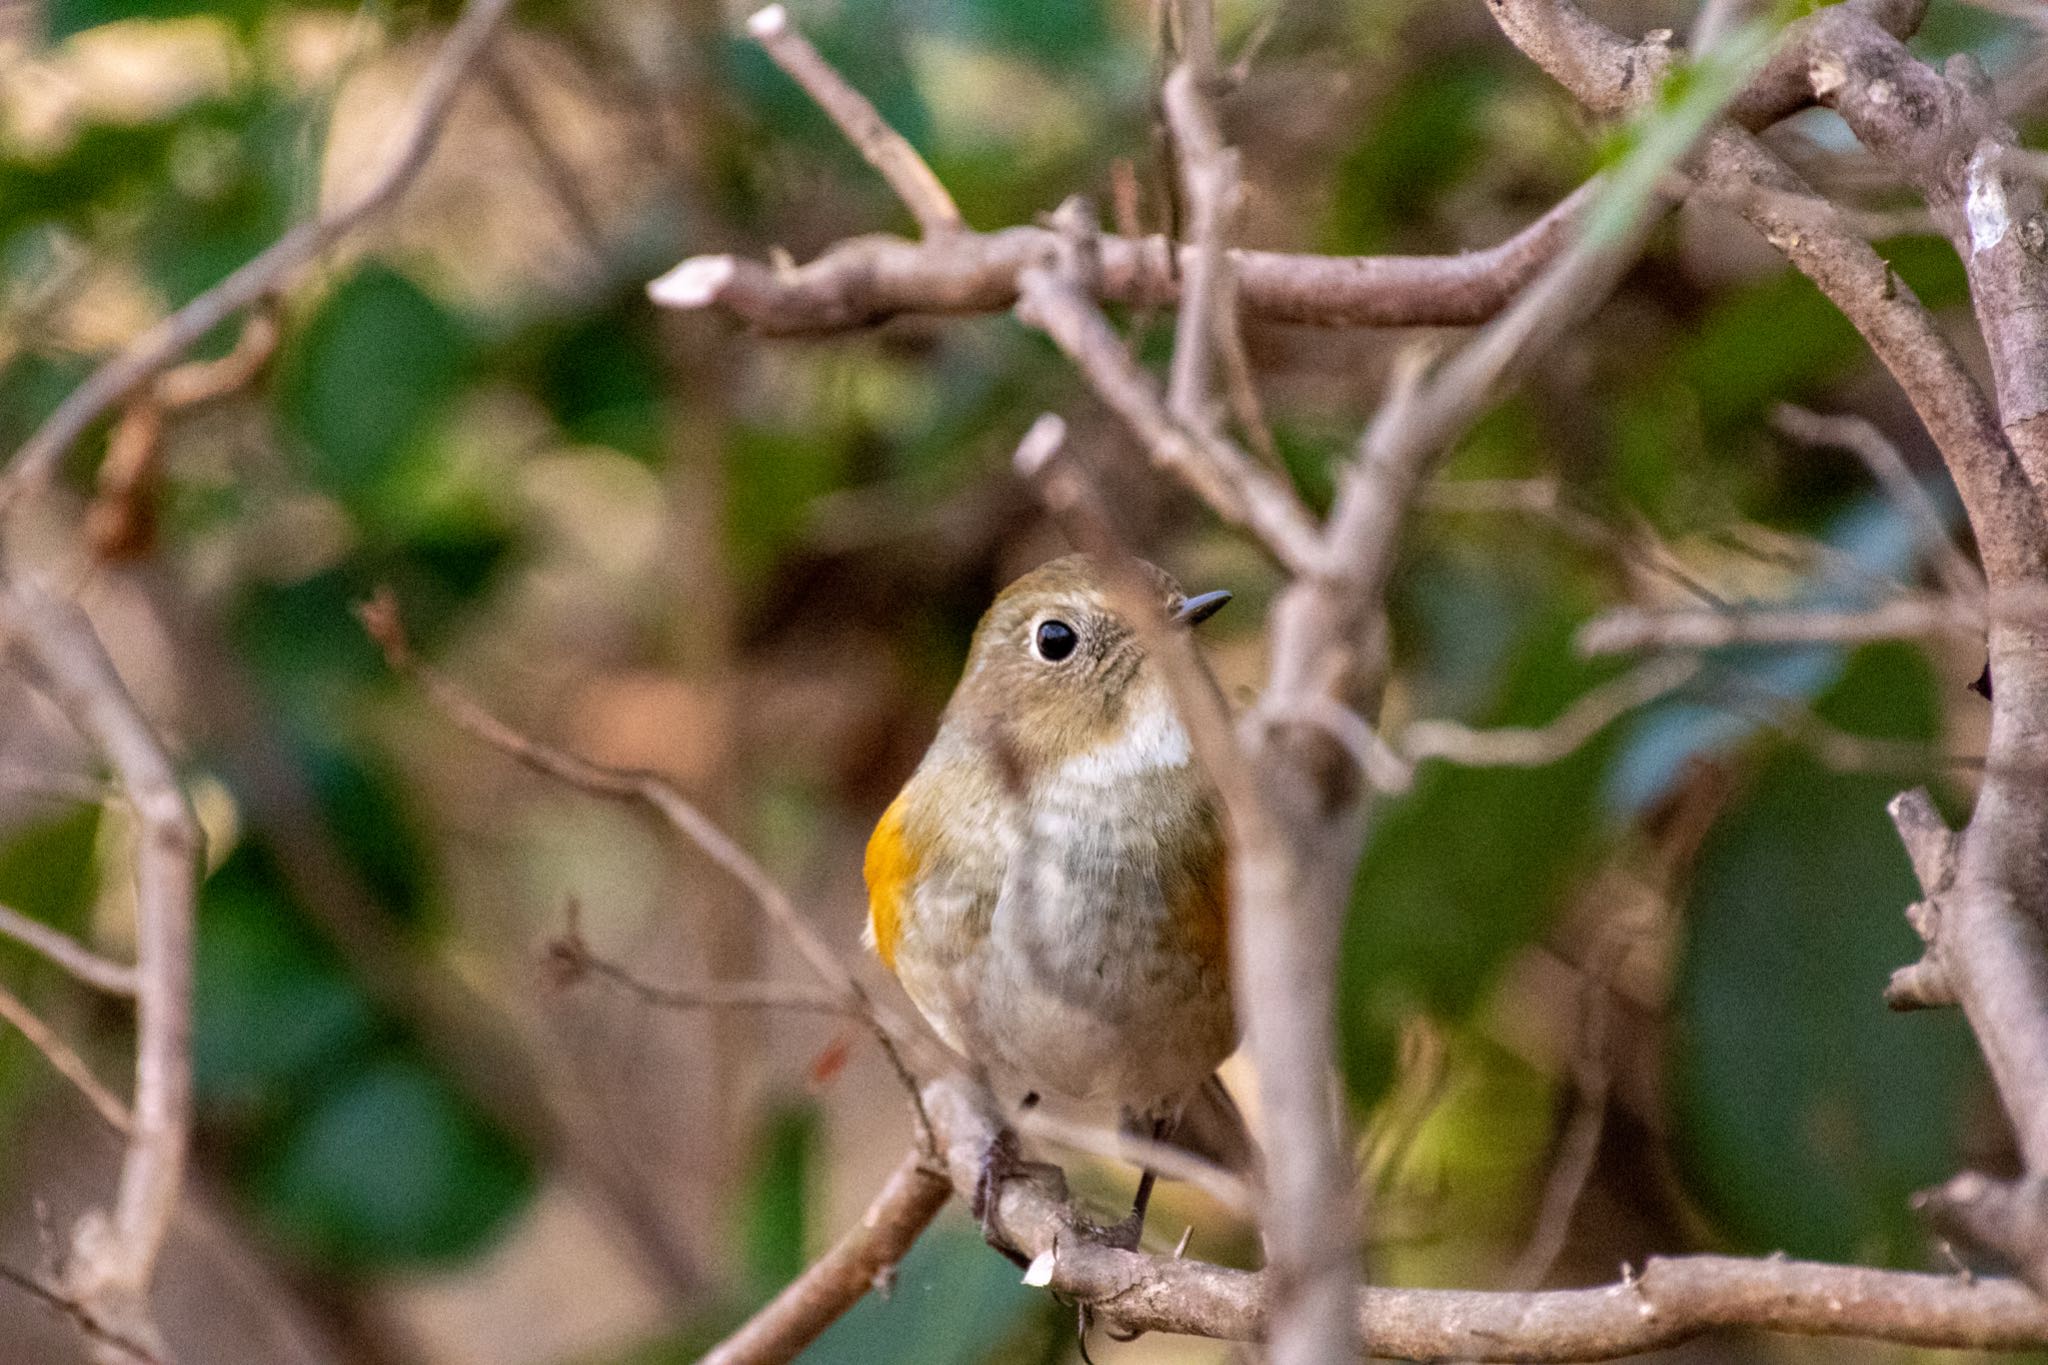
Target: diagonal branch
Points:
(881, 146)
(863, 1259)
(81, 962)
(35, 463)
(66, 1061)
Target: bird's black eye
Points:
(1055, 640)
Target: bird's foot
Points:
(1001, 1162)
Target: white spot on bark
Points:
(693, 284)
(1039, 1274)
(1828, 75)
(1984, 206)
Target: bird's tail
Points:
(1212, 1127)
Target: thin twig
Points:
(1240, 490)
(1862, 439)
(36, 461)
(1535, 746)
(570, 959)
(887, 150)
(1904, 618)
(1579, 1145)
(115, 978)
(63, 1304)
(380, 619)
(1168, 1161)
(67, 1062)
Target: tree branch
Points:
(36, 461)
(113, 1255)
(887, 150)
(66, 1061)
(115, 978)
(868, 280)
(1670, 1301)
(863, 1259)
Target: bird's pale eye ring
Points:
(1054, 640)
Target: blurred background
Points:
(753, 566)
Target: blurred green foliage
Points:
(851, 480)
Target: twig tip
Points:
(768, 23)
(696, 282)
(381, 623)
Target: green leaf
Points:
(778, 1197)
(46, 868)
(1055, 32)
(1808, 1113)
(1469, 864)
(273, 1005)
(1422, 140)
(955, 1302)
(387, 1168)
(600, 376)
(367, 374)
(62, 18)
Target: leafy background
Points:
(754, 566)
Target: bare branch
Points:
(1579, 1145)
(570, 959)
(1239, 490)
(114, 1255)
(126, 1349)
(1533, 747)
(863, 1259)
(120, 522)
(868, 280)
(81, 962)
(1863, 440)
(1670, 1301)
(67, 1062)
(1169, 1161)
(380, 618)
(37, 459)
(887, 150)
(1903, 618)
(1209, 179)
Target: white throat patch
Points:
(1153, 739)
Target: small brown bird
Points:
(1050, 886)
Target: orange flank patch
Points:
(891, 865)
(1200, 907)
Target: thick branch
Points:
(1672, 1300)
(868, 280)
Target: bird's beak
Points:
(1199, 608)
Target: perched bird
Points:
(1050, 886)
